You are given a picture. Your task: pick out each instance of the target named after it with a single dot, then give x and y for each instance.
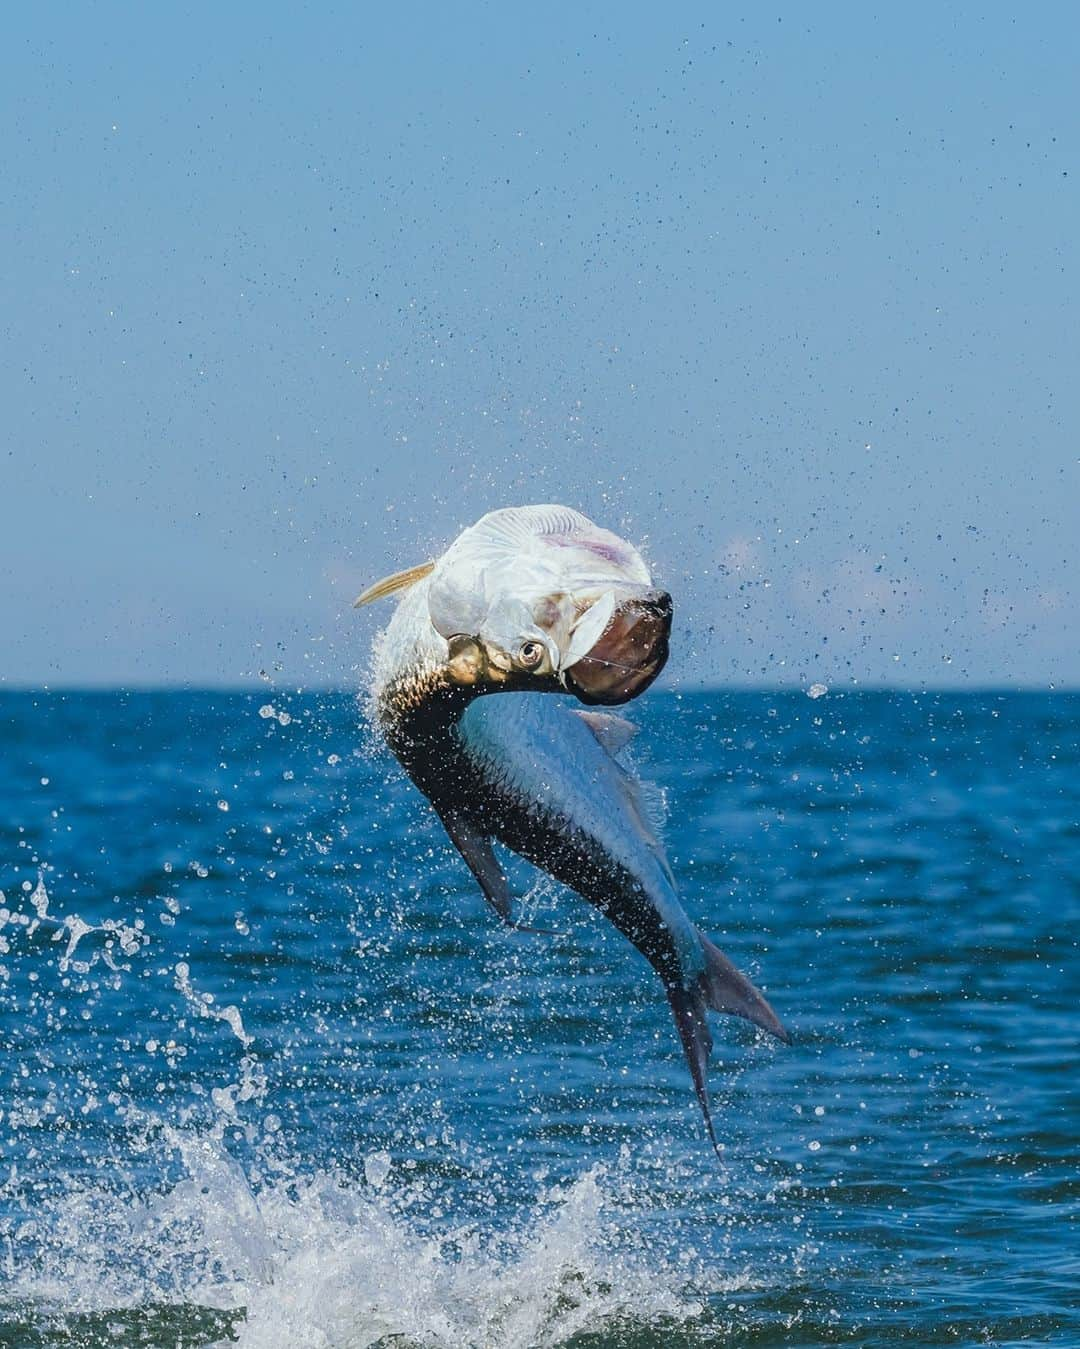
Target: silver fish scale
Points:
(546, 755)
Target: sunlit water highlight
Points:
(271, 1073)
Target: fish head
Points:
(509, 651)
(540, 598)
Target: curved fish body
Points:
(537, 774)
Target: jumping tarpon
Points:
(533, 601)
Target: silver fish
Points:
(534, 600)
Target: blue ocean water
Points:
(271, 1073)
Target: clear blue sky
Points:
(291, 294)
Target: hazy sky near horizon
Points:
(291, 295)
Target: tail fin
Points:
(689, 1009)
(727, 989)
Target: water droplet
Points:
(376, 1169)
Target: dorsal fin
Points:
(613, 733)
(645, 799)
(390, 585)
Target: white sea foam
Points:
(350, 1271)
(333, 1262)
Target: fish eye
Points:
(530, 654)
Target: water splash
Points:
(353, 1268)
(209, 1229)
(325, 1259)
(118, 937)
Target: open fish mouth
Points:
(630, 652)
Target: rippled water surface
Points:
(271, 1072)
